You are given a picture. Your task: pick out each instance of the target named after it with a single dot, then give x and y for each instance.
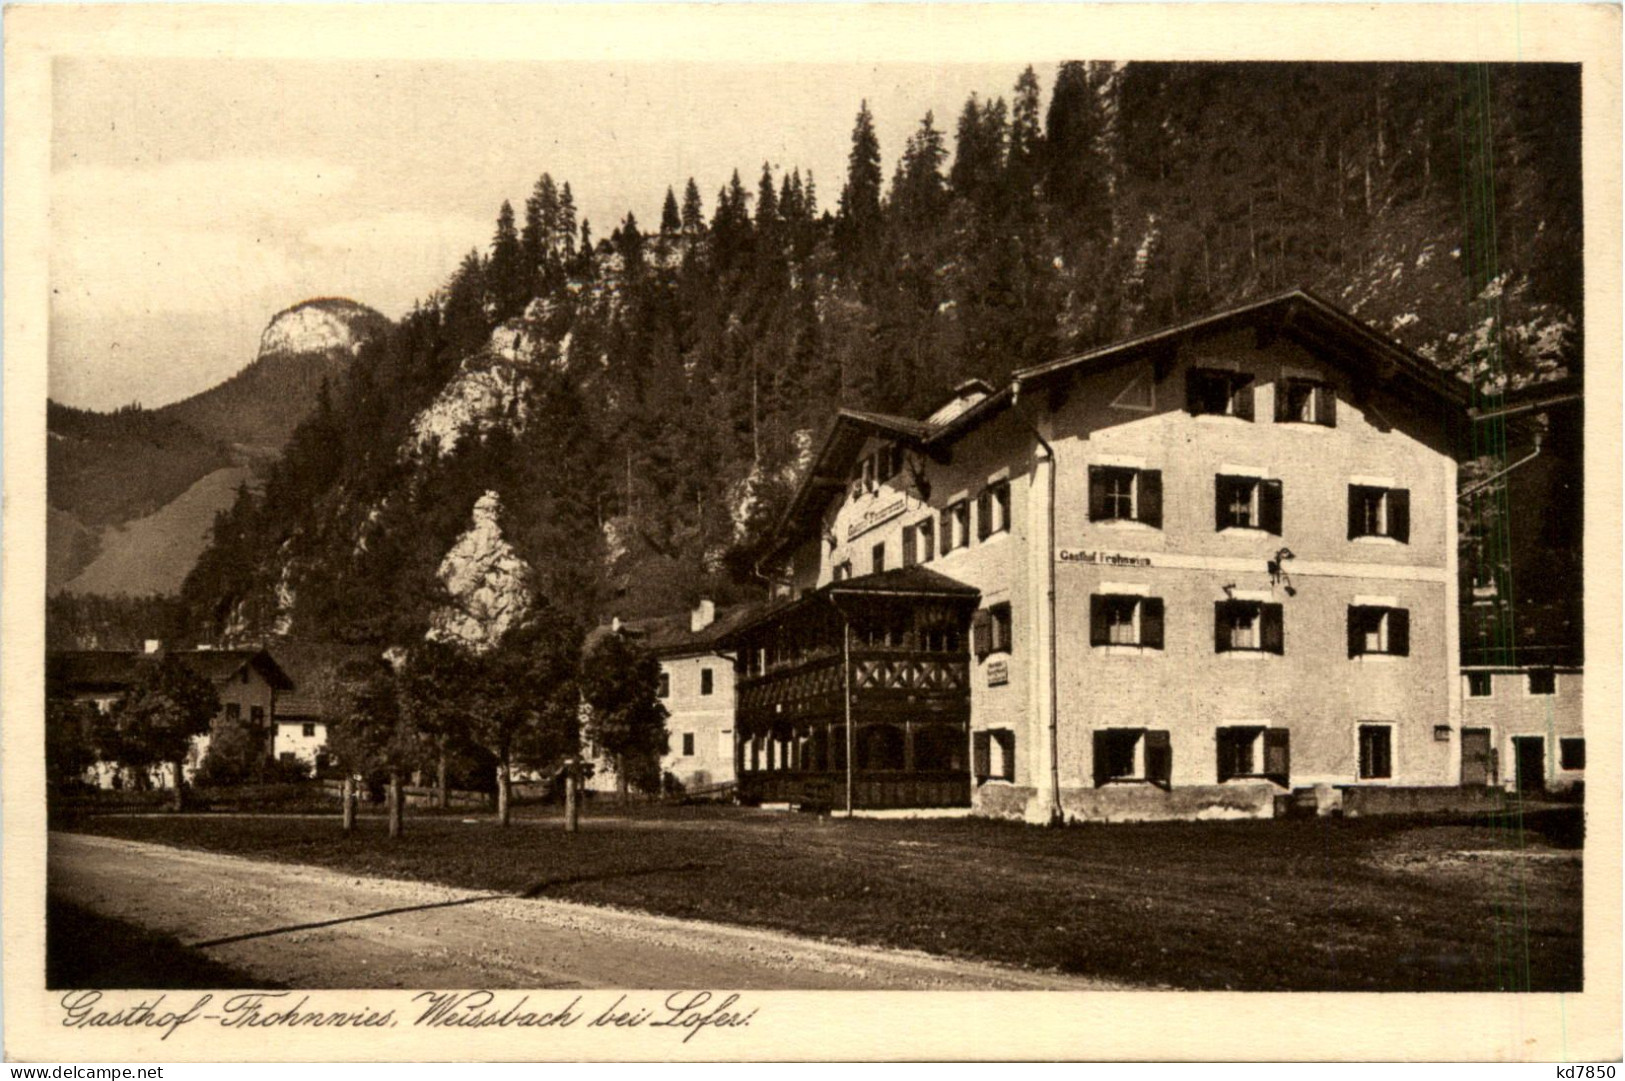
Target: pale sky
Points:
(193, 199)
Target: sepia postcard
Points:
(812, 531)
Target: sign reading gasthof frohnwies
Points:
(1109, 559)
(874, 516)
(998, 672)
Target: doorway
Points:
(1530, 753)
(1477, 757)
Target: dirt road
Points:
(310, 927)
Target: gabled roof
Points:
(305, 664)
(671, 635)
(915, 582)
(1296, 314)
(221, 665)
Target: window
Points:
(1379, 512)
(1480, 685)
(1374, 630)
(1571, 753)
(1120, 494)
(1125, 620)
(1543, 681)
(924, 531)
(1306, 401)
(910, 553)
(242, 677)
(1212, 392)
(664, 690)
(1254, 751)
(234, 712)
(256, 715)
(878, 557)
(706, 684)
(889, 461)
(1132, 754)
(993, 510)
(1247, 503)
(843, 571)
(994, 754)
(1376, 752)
(869, 473)
(308, 731)
(1247, 626)
(688, 744)
(287, 758)
(991, 630)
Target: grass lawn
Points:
(1317, 904)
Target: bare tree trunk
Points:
(349, 803)
(397, 801)
(442, 798)
(620, 778)
(503, 782)
(180, 785)
(572, 796)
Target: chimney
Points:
(152, 645)
(704, 614)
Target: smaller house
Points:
(301, 715)
(1523, 727)
(697, 689)
(248, 682)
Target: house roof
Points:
(670, 635)
(221, 665)
(915, 582)
(306, 663)
(1295, 314)
(111, 669)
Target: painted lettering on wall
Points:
(998, 672)
(1110, 559)
(875, 516)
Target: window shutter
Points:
(1269, 505)
(1242, 396)
(1326, 405)
(1221, 494)
(981, 626)
(1099, 758)
(981, 744)
(1097, 493)
(1098, 635)
(1159, 757)
(1151, 622)
(1007, 744)
(1282, 396)
(1399, 632)
(1227, 755)
(908, 546)
(1221, 627)
(1399, 514)
(928, 540)
(1272, 619)
(1356, 631)
(1278, 755)
(984, 514)
(1193, 396)
(947, 525)
(1354, 511)
(1150, 497)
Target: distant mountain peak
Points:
(319, 325)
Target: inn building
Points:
(1178, 576)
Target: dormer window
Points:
(1219, 393)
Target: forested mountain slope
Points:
(641, 403)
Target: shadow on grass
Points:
(539, 888)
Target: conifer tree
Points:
(860, 198)
(671, 221)
(565, 227)
(510, 285)
(693, 214)
(1074, 179)
(767, 200)
(918, 194)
